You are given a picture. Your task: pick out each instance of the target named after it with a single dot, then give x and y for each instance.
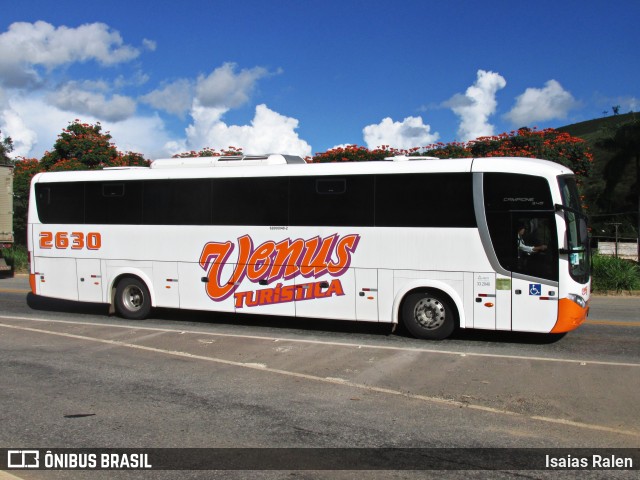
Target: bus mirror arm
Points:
(564, 208)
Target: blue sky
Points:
(302, 76)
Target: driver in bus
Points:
(525, 250)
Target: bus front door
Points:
(534, 306)
(535, 272)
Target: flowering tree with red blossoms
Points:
(210, 152)
(82, 146)
(548, 144)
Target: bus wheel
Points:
(132, 299)
(428, 315)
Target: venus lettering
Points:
(270, 261)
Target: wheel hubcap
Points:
(430, 313)
(133, 298)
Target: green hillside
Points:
(621, 205)
(592, 130)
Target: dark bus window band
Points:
(396, 200)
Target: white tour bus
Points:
(488, 243)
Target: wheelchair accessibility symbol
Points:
(535, 289)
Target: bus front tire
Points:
(132, 300)
(428, 315)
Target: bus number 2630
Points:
(72, 240)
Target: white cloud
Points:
(137, 79)
(476, 105)
(269, 132)
(175, 98)
(23, 137)
(149, 44)
(34, 117)
(34, 125)
(629, 104)
(73, 98)
(27, 45)
(224, 88)
(540, 104)
(409, 133)
(142, 134)
(342, 145)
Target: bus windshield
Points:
(577, 234)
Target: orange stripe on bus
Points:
(32, 283)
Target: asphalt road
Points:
(74, 377)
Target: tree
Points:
(548, 144)
(6, 147)
(210, 152)
(624, 143)
(81, 146)
(355, 153)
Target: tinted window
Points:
(425, 200)
(522, 225)
(511, 191)
(60, 202)
(113, 203)
(331, 186)
(250, 201)
(177, 202)
(332, 201)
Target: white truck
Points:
(6, 213)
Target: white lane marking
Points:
(335, 381)
(8, 476)
(580, 362)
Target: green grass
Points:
(18, 258)
(615, 274)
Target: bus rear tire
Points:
(428, 315)
(132, 300)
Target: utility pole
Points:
(617, 226)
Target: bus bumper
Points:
(570, 316)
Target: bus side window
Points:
(113, 189)
(331, 186)
(251, 201)
(110, 203)
(439, 200)
(332, 201)
(177, 202)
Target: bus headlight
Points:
(577, 299)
